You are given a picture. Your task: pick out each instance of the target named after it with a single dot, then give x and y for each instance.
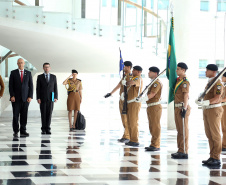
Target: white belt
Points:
(179, 104)
(223, 104)
(211, 106)
(153, 104)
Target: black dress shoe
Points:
(48, 132)
(15, 135)
(214, 162)
(43, 133)
(206, 161)
(123, 140)
(180, 155)
(24, 134)
(223, 149)
(174, 154)
(152, 148)
(148, 147)
(71, 129)
(132, 143)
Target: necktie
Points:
(21, 76)
(47, 79)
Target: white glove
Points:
(122, 96)
(144, 99)
(206, 102)
(202, 103)
(123, 82)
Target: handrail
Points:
(144, 8)
(20, 3)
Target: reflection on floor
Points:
(95, 157)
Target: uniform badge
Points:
(135, 79)
(218, 87)
(155, 85)
(218, 92)
(184, 85)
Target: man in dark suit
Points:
(21, 93)
(46, 96)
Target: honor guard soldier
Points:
(154, 109)
(134, 88)
(223, 119)
(127, 75)
(212, 113)
(182, 111)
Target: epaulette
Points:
(184, 78)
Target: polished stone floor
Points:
(95, 157)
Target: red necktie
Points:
(21, 76)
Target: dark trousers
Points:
(20, 108)
(46, 109)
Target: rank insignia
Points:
(155, 85)
(184, 85)
(218, 92)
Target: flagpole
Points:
(170, 106)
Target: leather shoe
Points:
(152, 149)
(206, 161)
(43, 133)
(15, 135)
(148, 147)
(48, 132)
(123, 140)
(223, 149)
(180, 155)
(24, 134)
(173, 154)
(214, 162)
(71, 129)
(132, 143)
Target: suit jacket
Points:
(2, 86)
(44, 90)
(20, 90)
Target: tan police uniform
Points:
(212, 119)
(74, 98)
(121, 103)
(2, 86)
(179, 98)
(133, 108)
(223, 120)
(154, 112)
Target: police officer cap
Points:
(74, 71)
(128, 63)
(138, 68)
(212, 67)
(182, 65)
(224, 74)
(154, 69)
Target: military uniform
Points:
(2, 86)
(212, 119)
(154, 112)
(223, 120)
(74, 99)
(133, 108)
(182, 86)
(121, 103)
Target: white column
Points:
(186, 32)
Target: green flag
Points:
(171, 64)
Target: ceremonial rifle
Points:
(149, 85)
(211, 84)
(124, 110)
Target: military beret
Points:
(212, 67)
(128, 63)
(224, 74)
(154, 69)
(182, 65)
(74, 71)
(138, 68)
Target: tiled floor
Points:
(95, 157)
